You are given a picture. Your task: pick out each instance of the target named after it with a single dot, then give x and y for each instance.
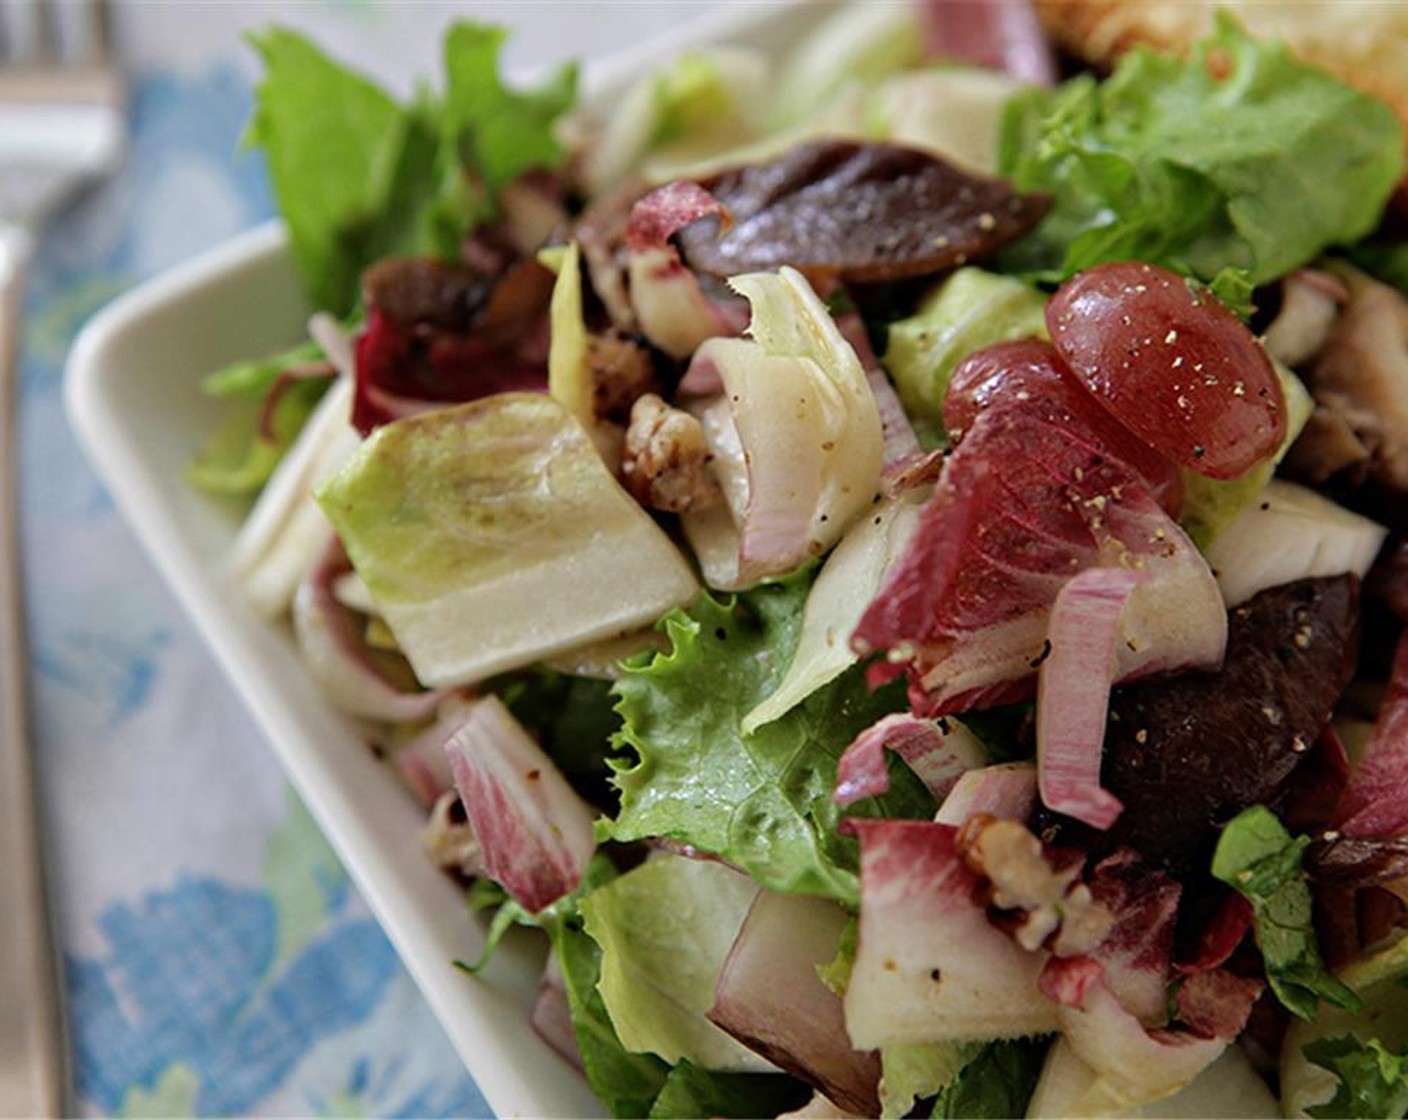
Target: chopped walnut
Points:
(666, 459)
(449, 838)
(621, 371)
(1044, 905)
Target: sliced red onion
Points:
(1073, 693)
(535, 831)
(330, 638)
(1007, 791)
(1376, 802)
(551, 1017)
(937, 751)
(929, 965)
(673, 311)
(770, 998)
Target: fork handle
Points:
(32, 1052)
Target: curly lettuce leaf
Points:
(762, 801)
(1206, 165)
(1257, 857)
(360, 176)
(1371, 1081)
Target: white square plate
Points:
(133, 394)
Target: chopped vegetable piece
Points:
(1259, 859)
(1032, 495)
(930, 966)
(771, 997)
(533, 829)
(1187, 753)
(760, 800)
(1376, 802)
(665, 929)
(807, 429)
(491, 535)
(1073, 693)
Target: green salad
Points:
(894, 566)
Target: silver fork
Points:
(60, 126)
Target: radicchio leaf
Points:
(938, 755)
(536, 833)
(1133, 1066)
(1073, 693)
(929, 964)
(1376, 802)
(1032, 495)
(670, 306)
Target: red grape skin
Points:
(1174, 366)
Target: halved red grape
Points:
(1173, 365)
(1029, 374)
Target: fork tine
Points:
(44, 33)
(99, 21)
(7, 32)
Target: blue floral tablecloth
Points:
(218, 959)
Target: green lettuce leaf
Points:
(489, 134)
(665, 929)
(242, 452)
(761, 801)
(572, 718)
(967, 312)
(998, 1082)
(916, 1071)
(690, 1091)
(1371, 1080)
(1259, 859)
(359, 176)
(1168, 163)
(337, 147)
(626, 1083)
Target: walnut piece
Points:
(665, 464)
(1045, 905)
(449, 838)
